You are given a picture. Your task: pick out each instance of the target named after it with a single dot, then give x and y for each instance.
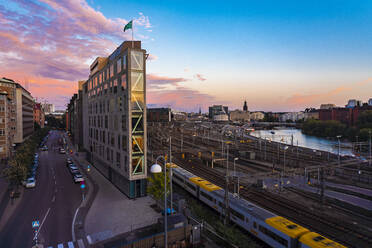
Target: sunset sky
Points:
(277, 55)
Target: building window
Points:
(111, 70)
(118, 66)
(124, 81)
(118, 159)
(123, 123)
(124, 142)
(119, 142)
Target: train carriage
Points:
(283, 231)
(274, 230)
(315, 240)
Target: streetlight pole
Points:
(339, 145)
(283, 172)
(170, 173)
(370, 157)
(235, 174)
(156, 168)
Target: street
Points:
(52, 202)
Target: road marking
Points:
(46, 215)
(54, 198)
(55, 182)
(55, 191)
(73, 224)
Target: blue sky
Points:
(278, 55)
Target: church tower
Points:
(245, 107)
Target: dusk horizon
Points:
(277, 57)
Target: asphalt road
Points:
(54, 200)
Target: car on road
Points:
(62, 151)
(78, 178)
(30, 182)
(44, 148)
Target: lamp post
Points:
(370, 157)
(235, 173)
(156, 168)
(170, 173)
(283, 171)
(339, 144)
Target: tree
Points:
(156, 186)
(364, 134)
(16, 172)
(365, 119)
(36, 126)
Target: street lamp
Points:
(283, 171)
(235, 173)
(339, 144)
(156, 168)
(370, 157)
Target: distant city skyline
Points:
(279, 56)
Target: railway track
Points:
(347, 233)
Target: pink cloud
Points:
(159, 82)
(52, 42)
(181, 98)
(152, 57)
(200, 77)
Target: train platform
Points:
(350, 199)
(367, 192)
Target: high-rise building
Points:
(39, 116)
(114, 117)
(352, 103)
(25, 114)
(21, 109)
(7, 124)
(48, 108)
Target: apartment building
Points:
(114, 117)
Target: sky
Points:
(277, 55)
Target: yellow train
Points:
(274, 230)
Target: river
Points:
(285, 136)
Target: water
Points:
(285, 136)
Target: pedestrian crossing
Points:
(71, 244)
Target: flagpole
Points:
(132, 36)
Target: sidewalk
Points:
(106, 211)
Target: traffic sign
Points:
(35, 224)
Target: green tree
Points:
(365, 119)
(36, 126)
(156, 186)
(16, 172)
(364, 134)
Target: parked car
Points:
(62, 151)
(30, 183)
(78, 177)
(44, 148)
(74, 169)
